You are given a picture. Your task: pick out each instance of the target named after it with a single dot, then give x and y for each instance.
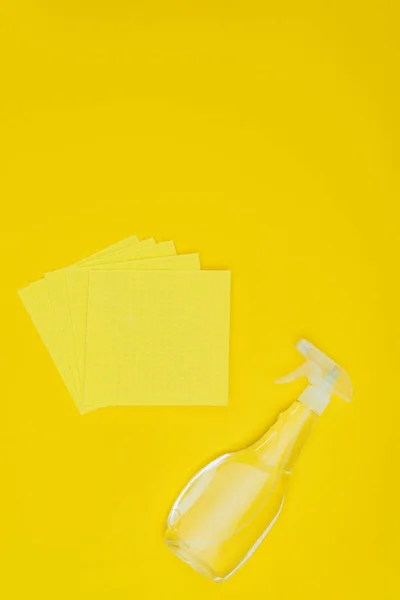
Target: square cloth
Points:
(52, 320)
(78, 292)
(57, 287)
(157, 338)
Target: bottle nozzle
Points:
(324, 375)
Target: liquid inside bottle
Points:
(228, 508)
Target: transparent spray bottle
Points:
(228, 508)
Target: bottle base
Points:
(180, 550)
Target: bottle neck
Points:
(280, 447)
(316, 398)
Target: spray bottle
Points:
(228, 508)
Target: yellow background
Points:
(266, 136)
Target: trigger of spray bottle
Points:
(325, 378)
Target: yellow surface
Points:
(265, 136)
(157, 338)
